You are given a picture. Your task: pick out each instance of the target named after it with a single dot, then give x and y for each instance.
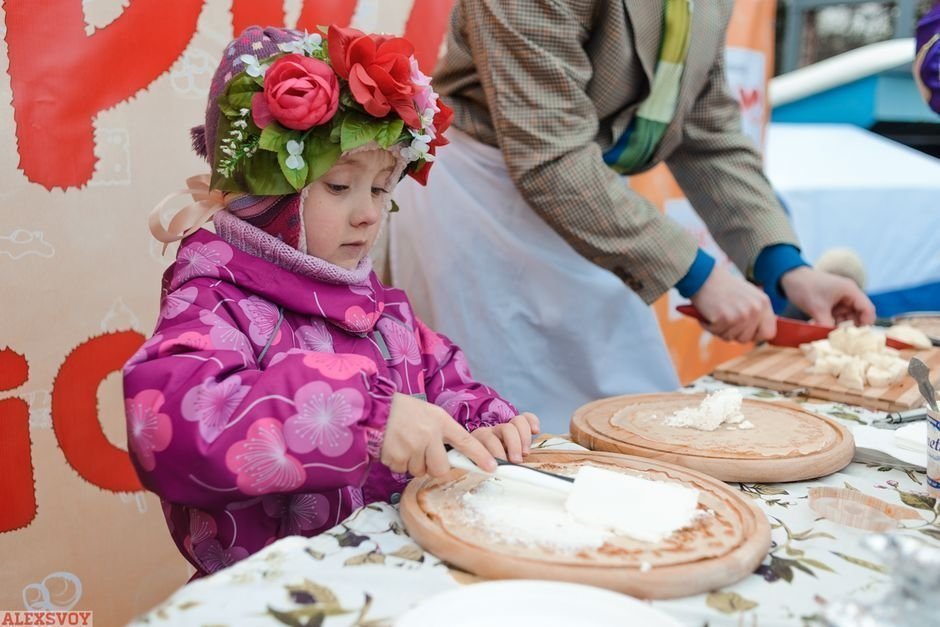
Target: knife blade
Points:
(791, 332)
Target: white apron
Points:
(542, 325)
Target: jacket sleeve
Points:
(449, 384)
(534, 70)
(720, 172)
(208, 427)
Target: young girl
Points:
(284, 385)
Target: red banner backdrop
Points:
(101, 95)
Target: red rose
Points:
(378, 70)
(442, 120)
(299, 92)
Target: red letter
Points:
(75, 411)
(17, 494)
(61, 78)
(426, 28)
(318, 13)
(247, 13)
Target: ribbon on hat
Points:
(190, 218)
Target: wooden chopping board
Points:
(784, 369)
(787, 442)
(718, 550)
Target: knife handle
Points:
(692, 312)
(910, 415)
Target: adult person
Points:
(530, 249)
(927, 62)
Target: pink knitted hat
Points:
(284, 106)
(277, 215)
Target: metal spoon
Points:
(921, 373)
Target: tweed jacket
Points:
(554, 84)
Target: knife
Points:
(791, 332)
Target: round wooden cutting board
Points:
(723, 546)
(787, 442)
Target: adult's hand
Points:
(827, 298)
(735, 309)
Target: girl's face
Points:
(343, 208)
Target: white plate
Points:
(523, 602)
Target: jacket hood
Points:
(205, 255)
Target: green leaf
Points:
(372, 557)
(285, 618)
(844, 415)
(320, 154)
(274, 137)
(781, 567)
(350, 538)
(410, 552)
(765, 489)
(920, 501)
(860, 562)
(296, 178)
(817, 534)
(394, 209)
(764, 394)
(933, 533)
(239, 91)
(793, 552)
(729, 602)
(808, 534)
(390, 132)
(849, 486)
(358, 130)
(325, 599)
(816, 564)
(797, 564)
(263, 175)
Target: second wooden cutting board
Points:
(787, 442)
(785, 369)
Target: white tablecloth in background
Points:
(845, 186)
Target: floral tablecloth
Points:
(366, 571)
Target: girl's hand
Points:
(416, 434)
(511, 440)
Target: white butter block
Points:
(639, 508)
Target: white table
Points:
(845, 186)
(370, 569)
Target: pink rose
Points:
(299, 92)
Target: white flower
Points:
(308, 45)
(295, 149)
(419, 147)
(253, 67)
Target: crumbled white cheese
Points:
(856, 356)
(642, 509)
(909, 335)
(718, 408)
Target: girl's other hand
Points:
(511, 440)
(416, 434)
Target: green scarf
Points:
(636, 146)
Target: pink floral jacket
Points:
(257, 409)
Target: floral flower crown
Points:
(286, 119)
